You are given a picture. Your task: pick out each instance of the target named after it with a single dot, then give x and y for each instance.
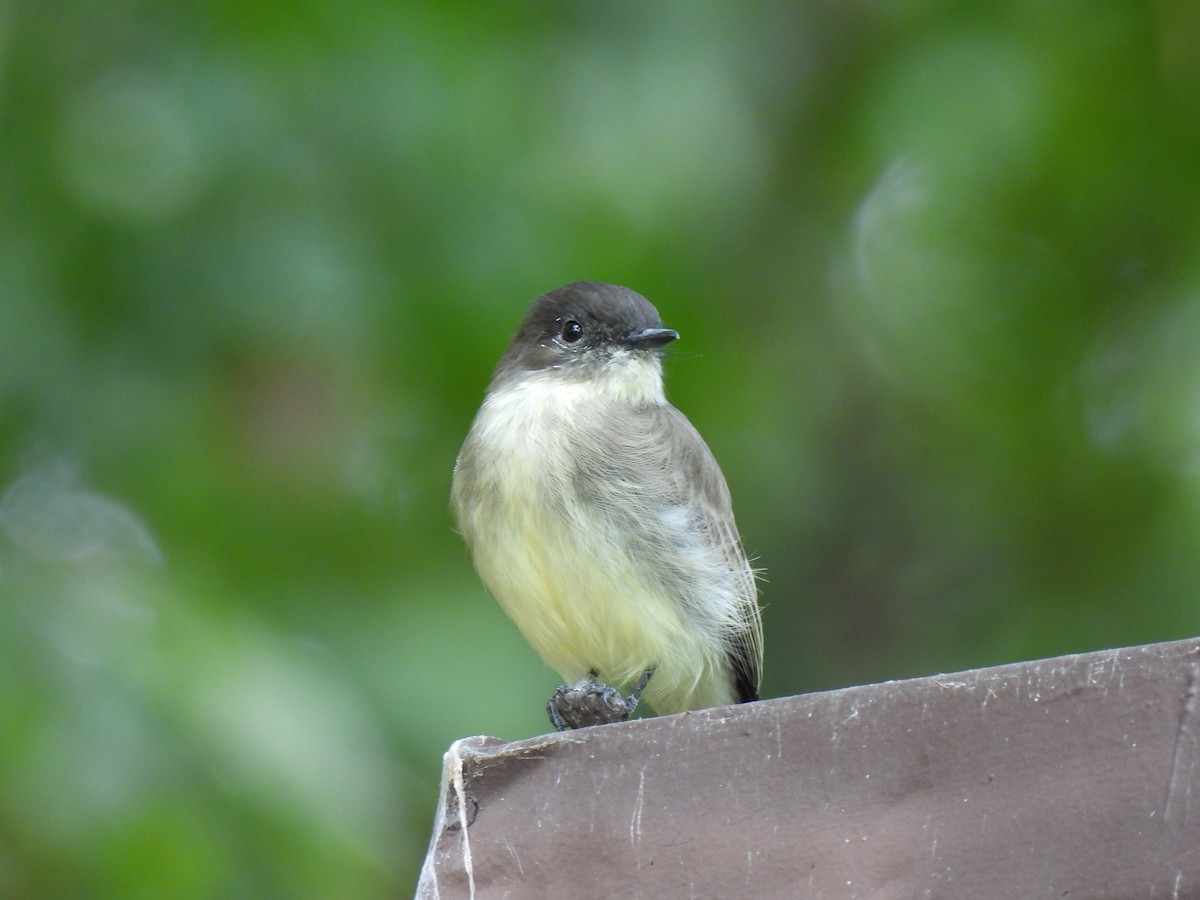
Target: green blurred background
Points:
(937, 271)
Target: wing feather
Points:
(658, 483)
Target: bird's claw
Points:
(591, 702)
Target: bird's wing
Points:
(651, 471)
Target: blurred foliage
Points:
(937, 270)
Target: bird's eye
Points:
(572, 331)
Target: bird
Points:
(598, 518)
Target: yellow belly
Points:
(583, 608)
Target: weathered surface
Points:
(1072, 777)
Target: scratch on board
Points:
(933, 844)
(635, 823)
(1183, 759)
(512, 851)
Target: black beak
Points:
(650, 338)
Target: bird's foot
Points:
(591, 702)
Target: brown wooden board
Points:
(1063, 778)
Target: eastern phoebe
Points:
(598, 518)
